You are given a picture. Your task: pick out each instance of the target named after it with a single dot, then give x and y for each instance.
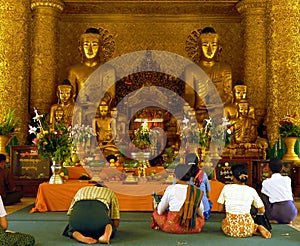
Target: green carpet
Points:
(135, 230)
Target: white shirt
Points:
(239, 198)
(2, 209)
(278, 188)
(173, 198)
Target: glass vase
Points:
(56, 170)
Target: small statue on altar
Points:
(102, 126)
(63, 110)
(96, 46)
(239, 93)
(245, 127)
(203, 47)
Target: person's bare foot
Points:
(107, 234)
(264, 232)
(80, 238)
(273, 221)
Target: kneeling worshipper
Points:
(8, 237)
(94, 215)
(277, 195)
(236, 199)
(180, 210)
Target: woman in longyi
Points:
(180, 209)
(236, 199)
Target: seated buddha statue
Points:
(103, 126)
(93, 55)
(197, 90)
(63, 110)
(245, 127)
(239, 93)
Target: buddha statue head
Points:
(243, 108)
(65, 92)
(59, 114)
(239, 91)
(90, 45)
(103, 109)
(209, 43)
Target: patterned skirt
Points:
(168, 222)
(238, 225)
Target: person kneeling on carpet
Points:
(94, 215)
(8, 237)
(236, 199)
(183, 204)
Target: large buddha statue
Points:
(95, 47)
(239, 93)
(203, 46)
(63, 110)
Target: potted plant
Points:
(8, 126)
(289, 130)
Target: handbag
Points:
(261, 219)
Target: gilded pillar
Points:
(44, 53)
(14, 61)
(283, 62)
(253, 26)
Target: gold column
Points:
(44, 53)
(283, 62)
(253, 23)
(14, 61)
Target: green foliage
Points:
(288, 126)
(9, 123)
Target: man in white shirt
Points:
(277, 195)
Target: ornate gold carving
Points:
(108, 43)
(58, 4)
(283, 62)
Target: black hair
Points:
(239, 82)
(92, 30)
(66, 82)
(208, 30)
(2, 157)
(275, 165)
(183, 172)
(238, 170)
(192, 160)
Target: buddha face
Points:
(103, 109)
(209, 45)
(240, 92)
(64, 93)
(114, 113)
(90, 45)
(59, 114)
(243, 109)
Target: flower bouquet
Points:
(53, 143)
(288, 126)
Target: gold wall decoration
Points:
(14, 61)
(283, 62)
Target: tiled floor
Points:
(30, 200)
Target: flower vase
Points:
(4, 140)
(56, 170)
(214, 151)
(290, 154)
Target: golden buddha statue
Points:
(105, 129)
(245, 127)
(239, 93)
(203, 46)
(63, 110)
(95, 47)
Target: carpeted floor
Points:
(135, 230)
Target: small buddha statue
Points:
(102, 125)
(206, 56)
(239, 93)
(63, 110)
(92, 57)
(245, 127)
